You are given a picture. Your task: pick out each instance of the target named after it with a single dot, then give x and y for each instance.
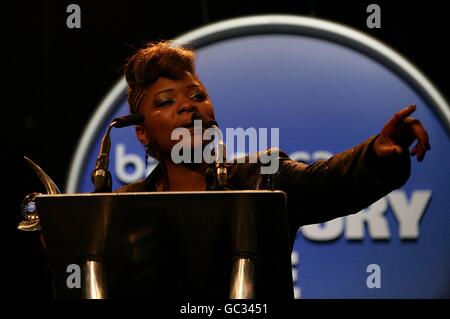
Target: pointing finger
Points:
(403, 114)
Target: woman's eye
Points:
(199, 97)
(164, 102)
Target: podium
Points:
(182, 245)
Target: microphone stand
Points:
(220, 169)
(101, 176)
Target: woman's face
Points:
(169, 104)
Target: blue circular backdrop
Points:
(325, 96)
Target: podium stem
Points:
(94, 280)
(242, 279)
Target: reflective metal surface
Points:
(243, 279)
(94, 281)
(48, 183)
(143, 238)
(28, 207)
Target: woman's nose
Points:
(186, 106)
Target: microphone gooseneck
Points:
(128, 120)
(101, 177)
(220, 170)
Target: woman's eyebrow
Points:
(166, 90)
(171, 90)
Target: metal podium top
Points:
(169, 244)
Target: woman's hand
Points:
(399, 133)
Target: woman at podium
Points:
(164, 87)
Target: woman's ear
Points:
(140, 134)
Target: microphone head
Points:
(207, 122)
(128, 120)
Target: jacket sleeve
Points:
(342, 185)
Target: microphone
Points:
(207, 122)
(128, 120)
(220, 170)
(101, 177)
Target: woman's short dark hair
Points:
(155, 60)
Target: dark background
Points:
(57, 76)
